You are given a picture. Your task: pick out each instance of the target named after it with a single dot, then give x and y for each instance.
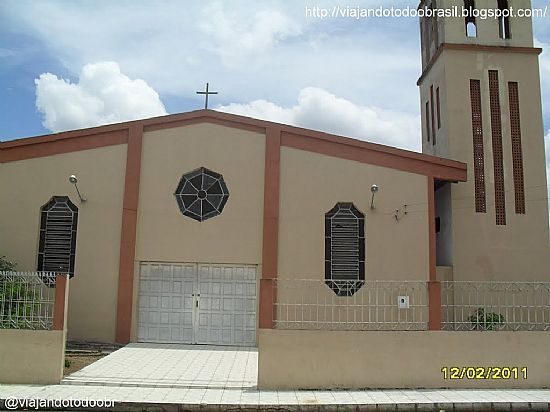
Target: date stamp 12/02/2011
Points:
(484, 372)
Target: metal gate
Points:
(197, 303)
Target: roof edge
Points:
(249, 123)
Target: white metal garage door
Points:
(197, 303)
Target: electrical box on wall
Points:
(403, 302)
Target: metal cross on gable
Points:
(206, 93)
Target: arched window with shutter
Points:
(57, 247)
(344, 249)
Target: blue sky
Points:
(105, 61)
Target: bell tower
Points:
(481, 104)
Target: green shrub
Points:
(481, 320)
(6, 265)
(16, 299)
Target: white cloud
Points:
(102, 95)
(246, 50)
(321, 110)
(235, 39)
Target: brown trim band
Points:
(422, 164)
(270, 227)
(205, 119)
(474, 48)
(128, 235)
(49, 146)
(316, 141)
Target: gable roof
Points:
(290, 136)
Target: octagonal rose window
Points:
(201, 194)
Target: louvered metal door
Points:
(191, 303)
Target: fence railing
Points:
(312, 304)
(495, 305)
(27, 300)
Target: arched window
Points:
(504, 20)
(469, 19)
(344, 249)
(58, 222)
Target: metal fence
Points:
(312, 304)
(495, 305)
(26, 300)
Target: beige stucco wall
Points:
(453, 29)
(352, 359)
(30, 184)
(31, 356)
(311, 185)
(520, 250)
(436, 77)
(164, 234)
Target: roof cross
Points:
(206, 93)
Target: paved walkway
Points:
(172, 366)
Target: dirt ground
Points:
(77, 362)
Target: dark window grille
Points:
(201, 194)
(57, 246)
(428, 121)
(438, 103)
(479, 157)
(496, 130)
(432, 117)
(469, 19)
(504, 20)
(517, 152)
(344, 249)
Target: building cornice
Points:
(474, 48)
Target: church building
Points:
(212, 228)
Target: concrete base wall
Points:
(290, 359)
(31, 356)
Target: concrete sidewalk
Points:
(151, 377)
(136, 398)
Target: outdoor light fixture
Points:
(74, 180)
(374, 190)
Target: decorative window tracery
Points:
(201, 194)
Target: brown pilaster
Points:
(434, 287)
(128, 234)
(59, 306)
(271, 227)
(434, 302)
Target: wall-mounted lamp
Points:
(374, 190)
(74, 180)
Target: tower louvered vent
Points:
(57, 247)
